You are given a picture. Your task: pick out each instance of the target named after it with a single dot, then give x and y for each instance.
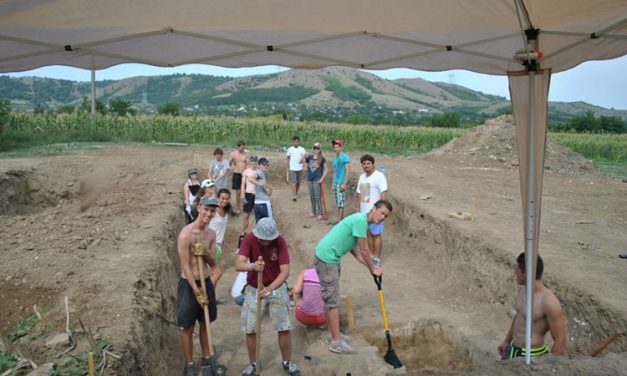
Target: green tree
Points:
(67, 109)
(446, 120)
(5, 109)
(120, 107)
(86, 106)
(169, 108)
(583, 123)
(612, 124)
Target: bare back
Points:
(238, 160)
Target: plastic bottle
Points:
(383, 170)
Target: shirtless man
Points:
(547, 316)
(238, 159)
(196, 239)
(250, 182)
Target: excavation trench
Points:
(475, 276)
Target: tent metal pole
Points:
(93, 91)
(530, 213)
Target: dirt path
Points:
(99, 226)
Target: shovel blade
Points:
(391, 359)
(213, 368)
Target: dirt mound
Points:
(496, 139)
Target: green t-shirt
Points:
(342, 238)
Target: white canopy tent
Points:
(478, 35)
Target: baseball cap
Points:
(266, 229)
(208, 201)
(337, 142)
(192, 170)
(317, 145)
(254, 158)
(263, 161)
(207, 183)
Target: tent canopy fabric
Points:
(477, 35)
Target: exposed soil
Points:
(99, 226)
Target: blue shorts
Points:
(376, 229)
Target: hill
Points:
(335, 94)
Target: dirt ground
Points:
(99, 227)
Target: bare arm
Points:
(297, 289)
(508, 337)
(242, 264)
(362, 254)
(183, 244)
(347, 176)
(557, 325)
(186, 194)
(384, 195)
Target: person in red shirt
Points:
(266, 242)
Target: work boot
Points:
(250, 370)
(291, 368)
(189, 369)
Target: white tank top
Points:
(218, 224)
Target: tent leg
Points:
(93, 91)
(529, 272)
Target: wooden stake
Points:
(349, 312)
(473, 208)
(90, 363)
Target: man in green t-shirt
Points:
(347, 236)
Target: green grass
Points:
(612, 168)
(7, 361)
(23, 327)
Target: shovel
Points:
(259, 319)
(390, 356)
(213, 369)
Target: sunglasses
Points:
(316, 148)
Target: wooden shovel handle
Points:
(259, 319)
(205, 307)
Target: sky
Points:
(602, 83)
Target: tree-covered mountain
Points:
(335, 94)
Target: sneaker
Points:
(220, 369)
(343, 337)
(341, 347)
(250, 370)
(189, 369)
(291, 368)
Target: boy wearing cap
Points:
(263, 206)
(295, 159)
(191, 187)
(266, 242)
(248, 188)
(196, 239)
(342, 166)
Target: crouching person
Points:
(266, 242)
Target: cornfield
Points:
(595, 146)
(268, 132)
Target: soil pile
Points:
(496, 139)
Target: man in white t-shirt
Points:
(295, 160)
(372, 187)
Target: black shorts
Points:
(250, 202)
(236, 181)
(187, 308)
